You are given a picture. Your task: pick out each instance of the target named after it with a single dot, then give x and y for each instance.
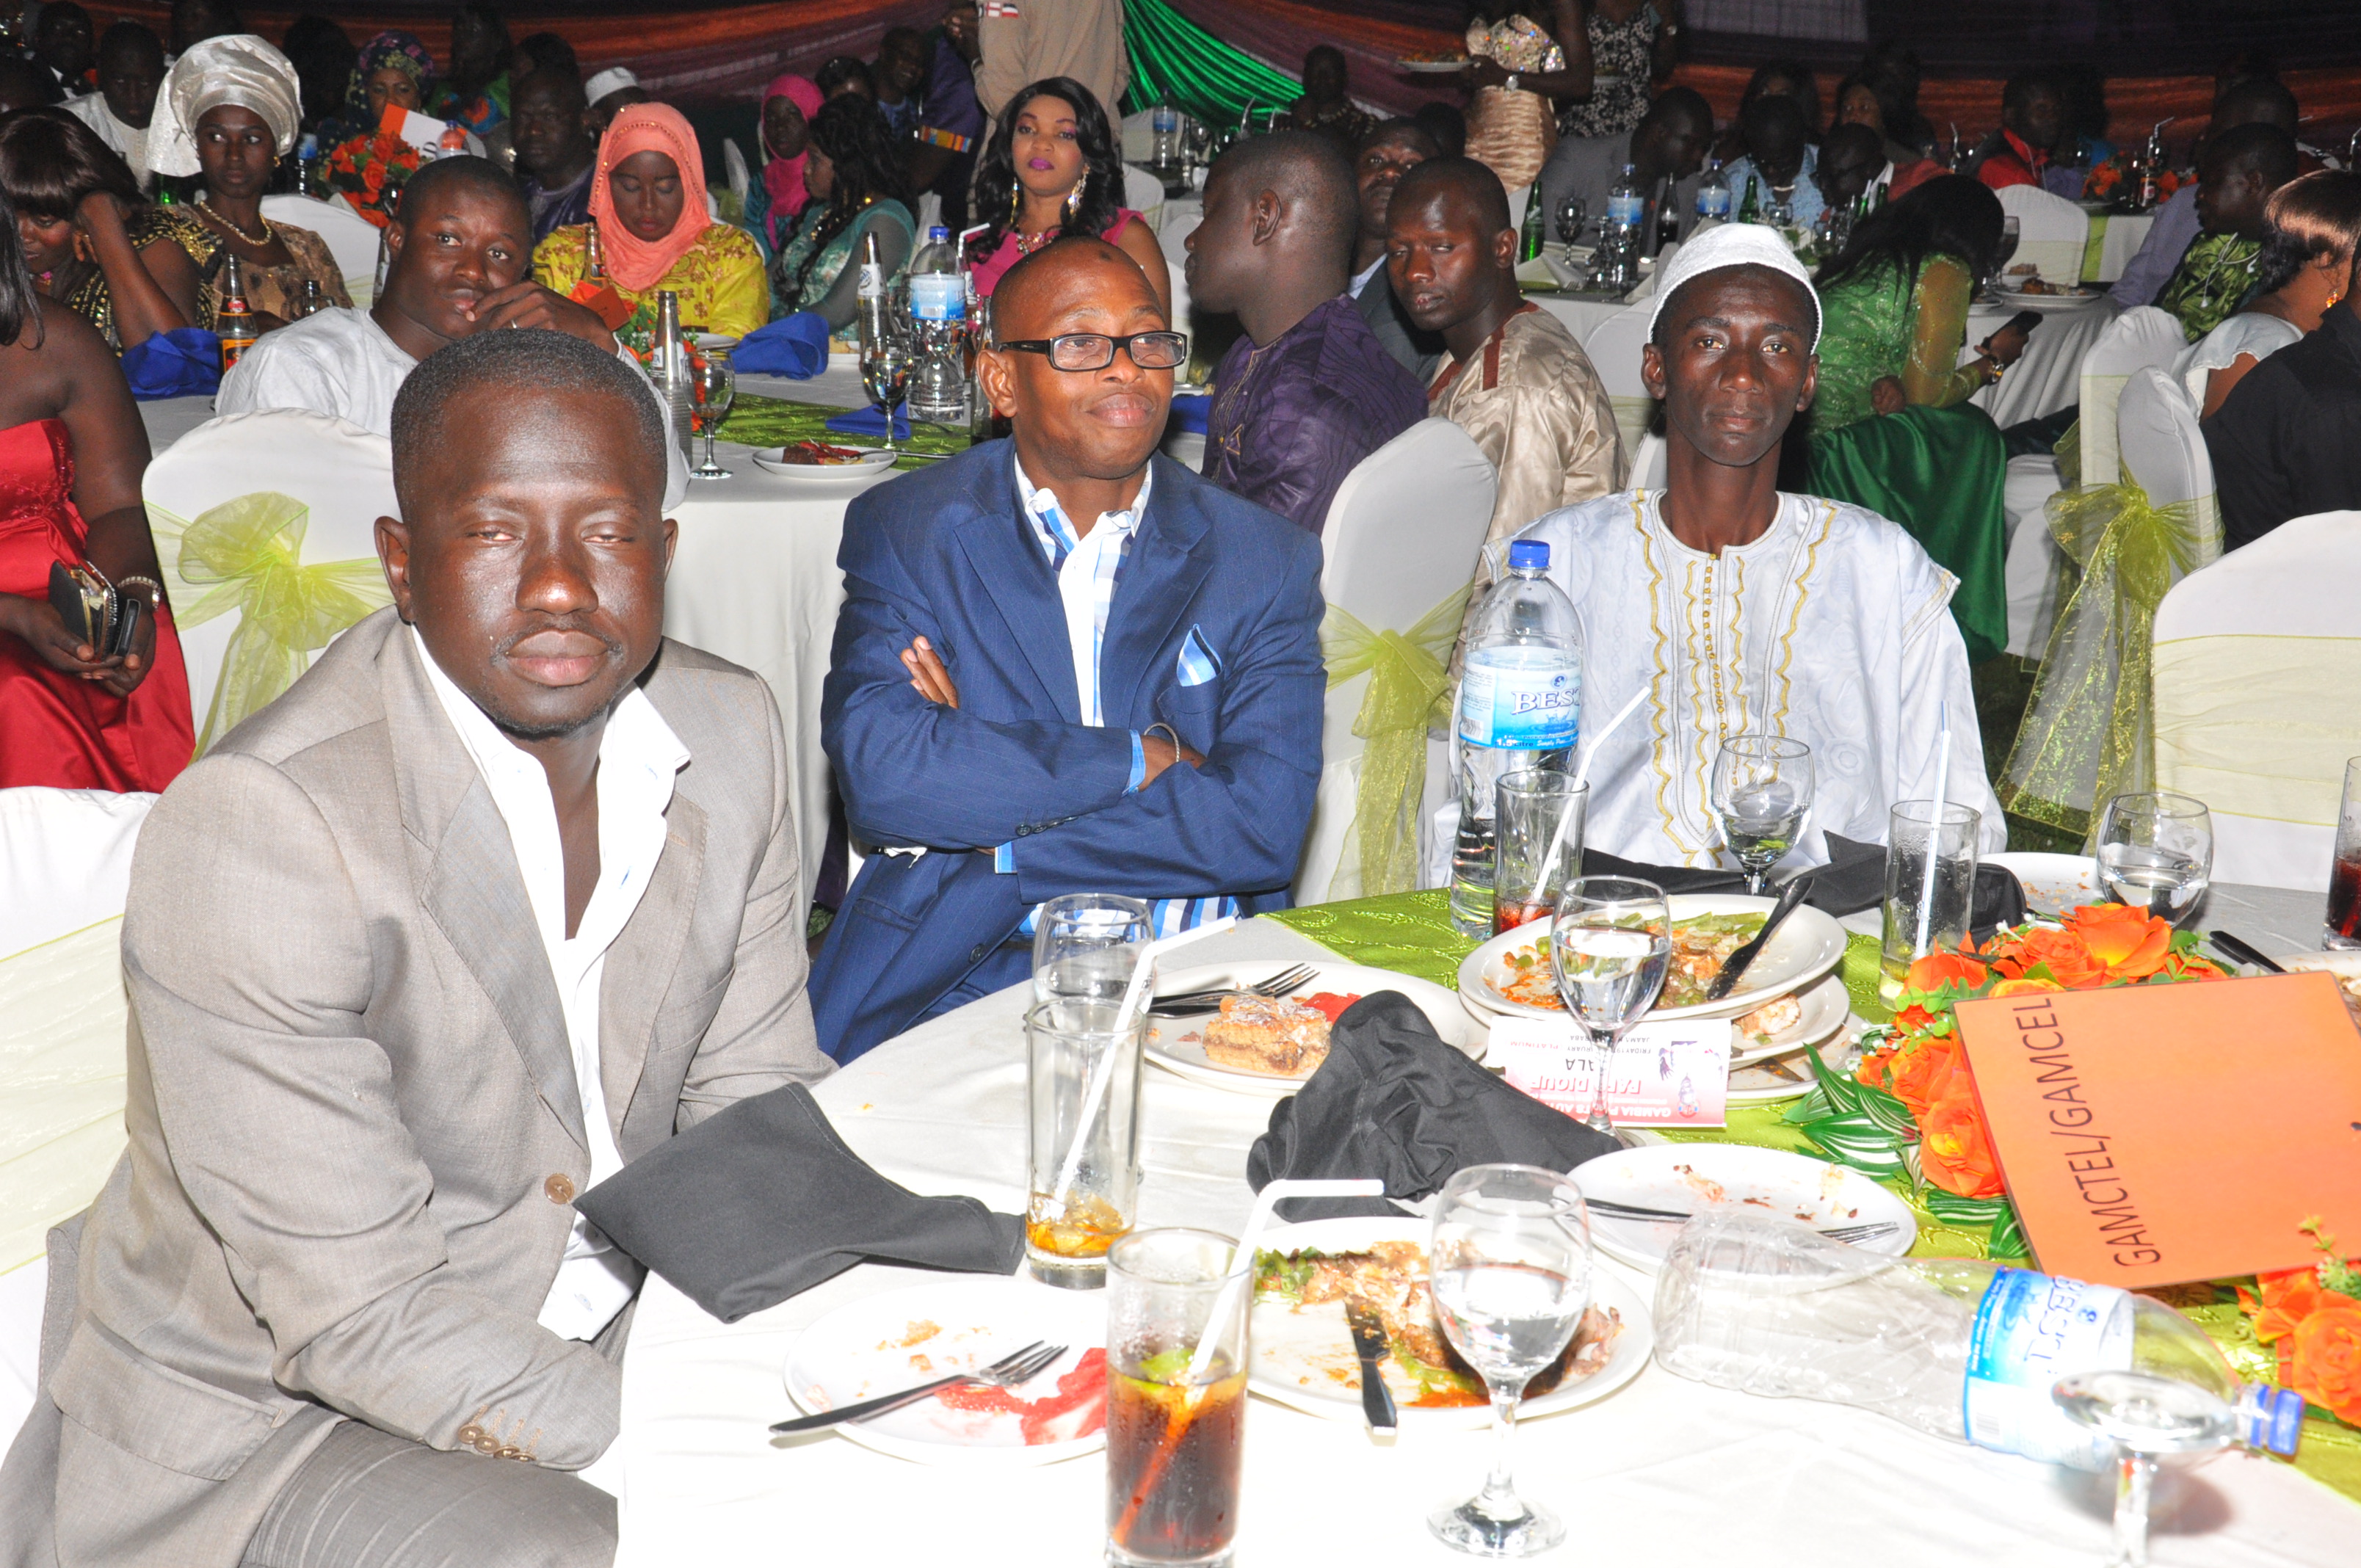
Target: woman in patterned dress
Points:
(1515, 67)
(1632, 44)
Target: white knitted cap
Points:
(614, 78)
(1732, 245)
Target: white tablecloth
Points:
(2121, 234)
(1581, 317)
(2048, 376)
(1662, 1471)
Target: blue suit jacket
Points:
(946, 551)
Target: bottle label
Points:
(2031, 1330)
(1516, 706)
(1626, 209)
(1713, 201)
(937, 297)
(873, 281)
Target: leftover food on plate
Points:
(1075, 1409)
(822, 455)
(1420, 1367)
(1700, 943)
(1278, 1037)
(1775, 1018)
(2024, 278)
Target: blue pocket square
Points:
(1199, 663)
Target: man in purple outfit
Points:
(1309, 391)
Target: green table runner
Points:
(775, 421)
(1411, 932)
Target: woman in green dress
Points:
(1892, 428)
(854, 174)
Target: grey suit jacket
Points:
(354, 1131)
(1416, 352)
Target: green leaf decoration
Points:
(2006, 1242)
(1853, 1124)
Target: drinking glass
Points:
(713, 384)
(1085, 945)
(1610, 946)
(1763, 796)
(1526, 879)
(2156, 852)
(1571, 214)
(2146, 1416)
(1175, 1437)
(1921, 916)
(886, 361)
(1509, 1266)
(1081, 1093)
(2344, 872)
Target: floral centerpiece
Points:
(2312, 1318)
(1910, 1107)
(364, 169)
(2117, 180)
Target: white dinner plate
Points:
(1303, 1356)
(2021, 301)
(1685, 1177)
(1825, 1007)
(902, 1338)
(2053, 883)
(1173, 1043)
(876, 461)
(1432, 67)
(1806, 947)
(1766, 1079)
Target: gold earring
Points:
(1015, 205)
(1074, 199)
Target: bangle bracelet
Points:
(1170, 734)
(155, 589)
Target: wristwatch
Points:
(1510, 84)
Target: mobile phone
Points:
(128, 608)
(2024, 320)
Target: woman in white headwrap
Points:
(229, 111)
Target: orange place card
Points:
(2154, 1135)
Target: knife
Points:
(1735, 965)
(2243, 952)
(1369, 1341)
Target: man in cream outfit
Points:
(485, 905)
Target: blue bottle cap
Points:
(939, 232)
(1529, 554)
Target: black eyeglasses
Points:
(1096, 350)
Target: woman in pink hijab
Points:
(656, 234)
(788, 105)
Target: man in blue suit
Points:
(1064, 664)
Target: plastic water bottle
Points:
(939, 335)
(1519, 706)
(1713, 193)
(1959, 1347)
(1627, 215)
(1164, 124)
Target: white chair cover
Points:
(2135, 340)
(1144, 192)
(1614, 348)
(351, 239)
(2037, 571)
(344, 474)
(1401, 539)
(1138, 136)
(2257, 658)
(2163, 450)
(65, 863)
(2051, 232)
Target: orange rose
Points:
(1938, 969)
(2325, 1362)
(2288, 1298)
(1872, 1070)
(1922, 1073)
(2022, 987)
(1913, 1019)
(2189, 966)
(1953, 1148)
(2068, 961)
(2130, 944)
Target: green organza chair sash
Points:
(248, 554)
(2089, 730)
(1408, 689)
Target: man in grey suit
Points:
(1387, 153)
(500, 895)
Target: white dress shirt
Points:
(129, 140)
(638, 757)
(1361, 278)
(339, 361)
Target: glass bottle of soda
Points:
(594, 257)
(234, 321)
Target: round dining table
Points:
(1663, 1470)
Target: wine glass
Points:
(1572, 213)
(2008, 237)
(1509, 1266)
(2145, 1415)
(2156, 852)
(1085, 945)
(1609, 948)
(886, 361)
(1762, 795)
(713, 382)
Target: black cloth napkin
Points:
(1854, 879)
(1394, 1101)
(762, 1201)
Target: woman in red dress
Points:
(72, 452)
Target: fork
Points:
(1180, 1005)
(1009, 1372)
(1836, 1233)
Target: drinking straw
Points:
(1934, 831)
(1134, 998)
(1582, 781)
(1266, 1202)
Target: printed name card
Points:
(1672, 1074)
(2154, 1135)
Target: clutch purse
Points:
(92, 610)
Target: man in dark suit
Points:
(1064, 664)
(1383, 156)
